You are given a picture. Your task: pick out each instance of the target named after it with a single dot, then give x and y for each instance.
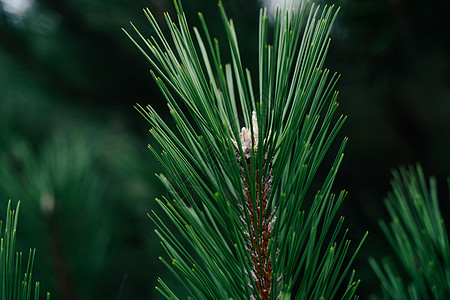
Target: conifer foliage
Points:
(245, 199)
(419, 239)
(14, 285)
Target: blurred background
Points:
(73, 148)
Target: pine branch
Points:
(12, 284)
(239, 197)
(418, 237)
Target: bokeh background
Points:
(73, 148)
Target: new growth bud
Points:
(247, 141)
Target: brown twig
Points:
(261, 226)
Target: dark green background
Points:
(69, 78)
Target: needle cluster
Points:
(249, 220)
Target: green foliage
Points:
(418, 236)
(82, 184)
(66, 211)
(65, 65)
(244, 201)
(13, 286)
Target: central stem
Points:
(261, 226)
(255, 217)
